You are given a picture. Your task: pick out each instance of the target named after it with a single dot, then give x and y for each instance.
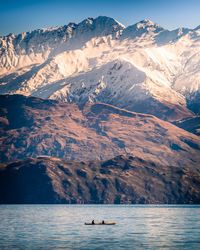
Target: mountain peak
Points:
(145, 26)
(147, 22)
(101, 22)
(100, 26)
(109, 20)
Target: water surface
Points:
(62, 227)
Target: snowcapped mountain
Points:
(144, 27)
(143, 67)
(34, 47)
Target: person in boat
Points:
(103, 222)
(92, 222)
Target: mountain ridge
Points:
(94, 58)
(52, 28)
(31, 126)
(120, 180)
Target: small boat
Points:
(100, 223)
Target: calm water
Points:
(62, 227)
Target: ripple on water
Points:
(62, 227)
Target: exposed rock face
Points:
(123, 179)
(31, 127)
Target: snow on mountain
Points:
(34, 47)
(143, 67)
(147, 29)
(100, 26)
(143, 27)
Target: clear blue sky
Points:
(24, 15)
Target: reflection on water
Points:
(62, 227)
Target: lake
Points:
(62, 227)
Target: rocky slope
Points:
(123, 179)
(143, 67)
(30, 127)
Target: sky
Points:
(17, 16)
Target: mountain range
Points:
(55, 152)
(31, 127)
(97, 112)
(143, 68)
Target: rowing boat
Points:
(100, 223)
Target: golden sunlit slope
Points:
(31, 127)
